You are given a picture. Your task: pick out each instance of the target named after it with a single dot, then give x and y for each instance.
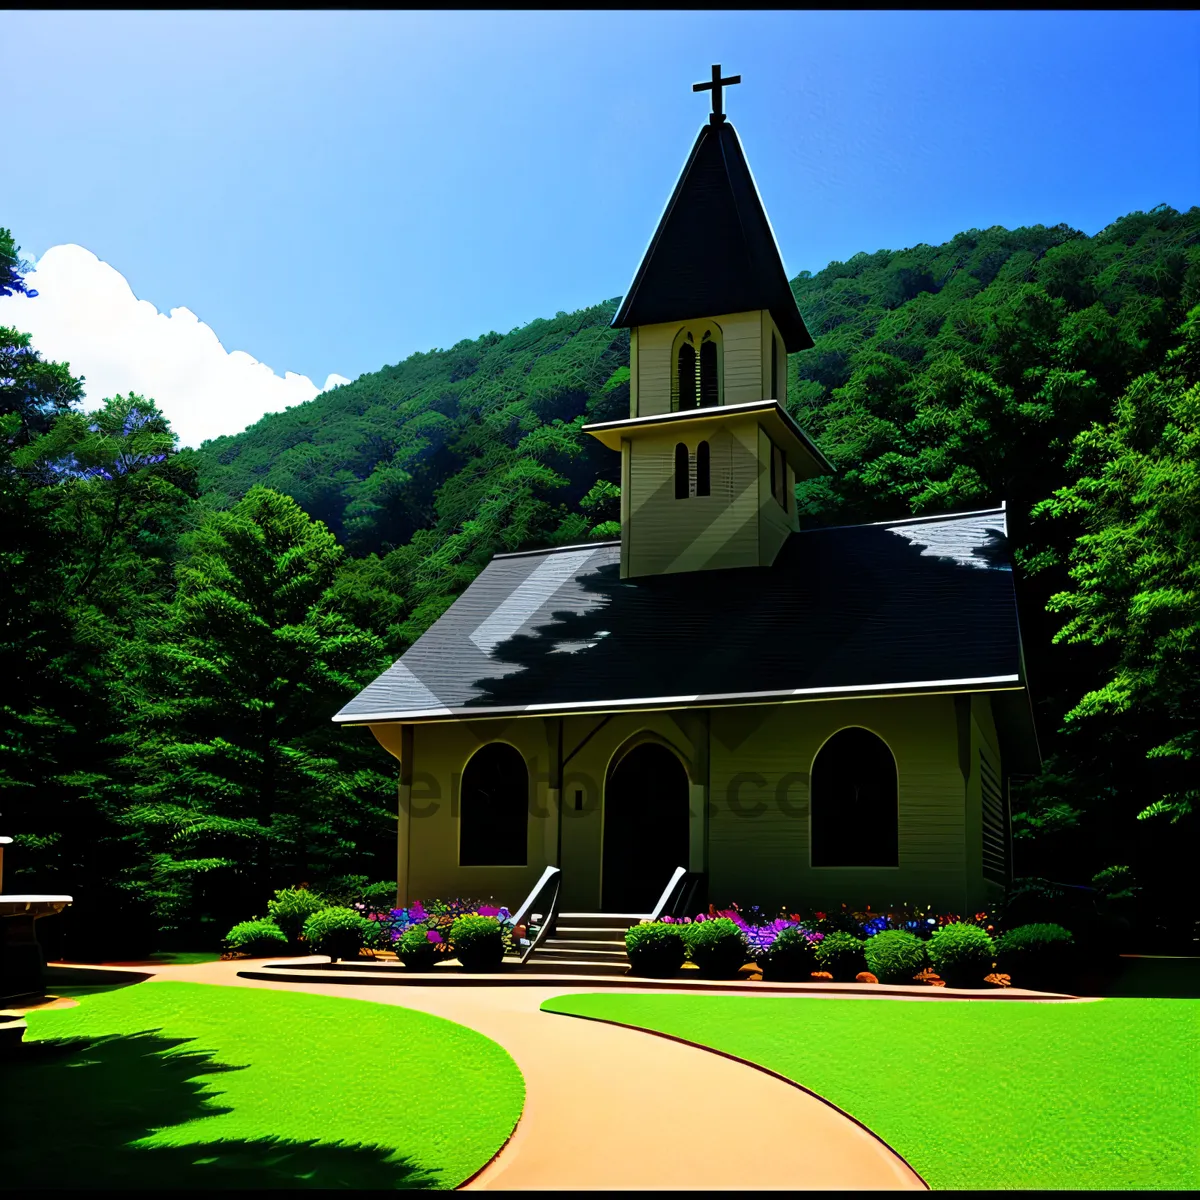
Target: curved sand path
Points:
(612, 1107)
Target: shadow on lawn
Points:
(71, 1109)
(1163, 978)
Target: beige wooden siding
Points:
(988, 849)
(633, 374)
(441, 751)
(756, 835)
(761, 758)
(741, 361)
(769, 327)
(626, 491)
(742, 335)
(654, 368)
(774, 523)
(714, 531)
(587, 773)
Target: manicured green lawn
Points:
(1096, 1095)
(186, 1085)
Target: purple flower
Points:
(487, 910)
(433, 936)
(416, 913)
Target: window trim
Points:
(522, 866)
(896, 767)
(683, 471)
(693, 333)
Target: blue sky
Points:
(330, 191)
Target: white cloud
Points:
(86, 314)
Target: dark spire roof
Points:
(713, 251)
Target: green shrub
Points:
(379, 897)
(258, 939)
(718, 947)
(292, 907)
(841, 954)
(477, 942)
(1037, 956)
(655, 949)
(791, 956)
(894, 956)
(338, 932)
(961, 954)
(416, 951)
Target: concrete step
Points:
(547, 951)
(597, 920)
(592, 939)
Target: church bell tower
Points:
(709, 455)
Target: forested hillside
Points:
(1052, 370)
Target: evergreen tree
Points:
(98, 502)
(243, 783)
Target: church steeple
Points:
(709, 455)
(714, 250)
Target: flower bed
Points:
(301, 920)
(840, 946)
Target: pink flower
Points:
(433, 936)
(487, 910)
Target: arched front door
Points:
(645, 828)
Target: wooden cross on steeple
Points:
(715, 85)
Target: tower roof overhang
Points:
(802, 454)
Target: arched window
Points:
(702, 470)
(687, 376)
(681, 472)
(696, 366)
(494, 809)
(853, 803)
(708, 371)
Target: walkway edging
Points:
(308, 974)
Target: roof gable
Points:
(714, 250)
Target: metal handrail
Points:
(548, 924)
(668, 892)
(677, 894)
(520, 917)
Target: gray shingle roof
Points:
(854, 610)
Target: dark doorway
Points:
(645, 828)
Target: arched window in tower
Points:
(687, 376)
(853, 802)
(494, 808)
(708, 371)
(702, 470)
(681, 472)
(696, 366)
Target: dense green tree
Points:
(1136, 576)
(105, 496)
(242, 783)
